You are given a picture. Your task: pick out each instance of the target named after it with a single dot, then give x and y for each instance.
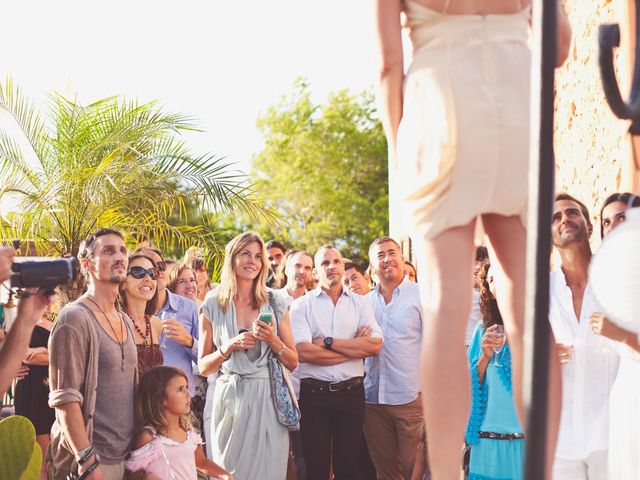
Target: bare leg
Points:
(447, 261)
(507, 241)
(507, 244)
(43, 441)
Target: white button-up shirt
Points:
(393, 376)
(587, 378)
(283, 294)
(315, 316)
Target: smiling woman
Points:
(139, 298)
(183, 282)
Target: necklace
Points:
(145, 336)
(120, 342)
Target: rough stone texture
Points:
(591, 144)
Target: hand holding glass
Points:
(164, 317)
(500, 338)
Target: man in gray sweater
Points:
(93, 369)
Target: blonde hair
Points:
(228, 283)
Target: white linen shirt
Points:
(393, 376)
(283, 294)
(587, 378)
(315, 316)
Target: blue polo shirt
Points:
(176, 355)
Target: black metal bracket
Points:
(608, 40)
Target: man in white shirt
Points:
(334, 330)
(589, 361)
(393, 411)
(298, 269)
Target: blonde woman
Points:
(246, 438)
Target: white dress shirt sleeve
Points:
(368, 318)
(299, 322)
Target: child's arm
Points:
(142, 438)
(210, 467)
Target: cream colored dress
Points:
(463, 142)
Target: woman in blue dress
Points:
(493, 432)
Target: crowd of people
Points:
(140, 378)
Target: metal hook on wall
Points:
(608, 39)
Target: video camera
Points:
(45, 273)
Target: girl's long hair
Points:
(228, 283)
(151, 396)
(488, 303)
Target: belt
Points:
(321, 385)
(501, 436)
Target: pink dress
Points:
(166, 458)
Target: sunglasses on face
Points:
(161, 266)
(139, 273)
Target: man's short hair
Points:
(275, 244)
(583, 207)
(356, 266)
(87, 246)
(326, 246)
(383, 239)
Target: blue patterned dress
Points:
(493, 410)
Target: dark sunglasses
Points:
(139, 273)
(161, 266)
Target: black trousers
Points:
(331, 428)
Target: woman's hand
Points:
(264, 331)
(490, 339)
(23, 371)
(32, 353)
(244, 341)
(601, 325)
(174, 330)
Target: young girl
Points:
(166, 448)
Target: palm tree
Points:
(113, 163)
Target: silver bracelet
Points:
(281, 351)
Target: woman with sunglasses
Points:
(138, 298)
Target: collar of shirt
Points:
(319, 291)
(399, 289)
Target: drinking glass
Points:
(499, 331)
(164, 316)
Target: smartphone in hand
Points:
(265, 317)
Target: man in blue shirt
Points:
(393, 412)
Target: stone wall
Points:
(591, 144)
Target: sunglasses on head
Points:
(139, 273)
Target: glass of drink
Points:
(498, 332)
(164, 316)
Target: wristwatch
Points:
(328, 343)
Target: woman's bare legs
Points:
(447, 261)
(507, 242)
(507, 253)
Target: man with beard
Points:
(276, 252)
(93, 369)
(589, 361)
(393, 412)
(334, 330)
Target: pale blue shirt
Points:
(393, 376)
(315, 316)
(174, 354)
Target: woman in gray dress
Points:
(247, 438)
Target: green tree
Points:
(113, 163)
(325, 171)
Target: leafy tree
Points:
(113, 163)
(325, 171)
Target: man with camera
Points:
(32, 306)
(93, 369)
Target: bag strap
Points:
(273, 304)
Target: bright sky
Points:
(223, 61)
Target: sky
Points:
(223, 62)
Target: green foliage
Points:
(325, 171)
(21, 455)
(113, 163)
